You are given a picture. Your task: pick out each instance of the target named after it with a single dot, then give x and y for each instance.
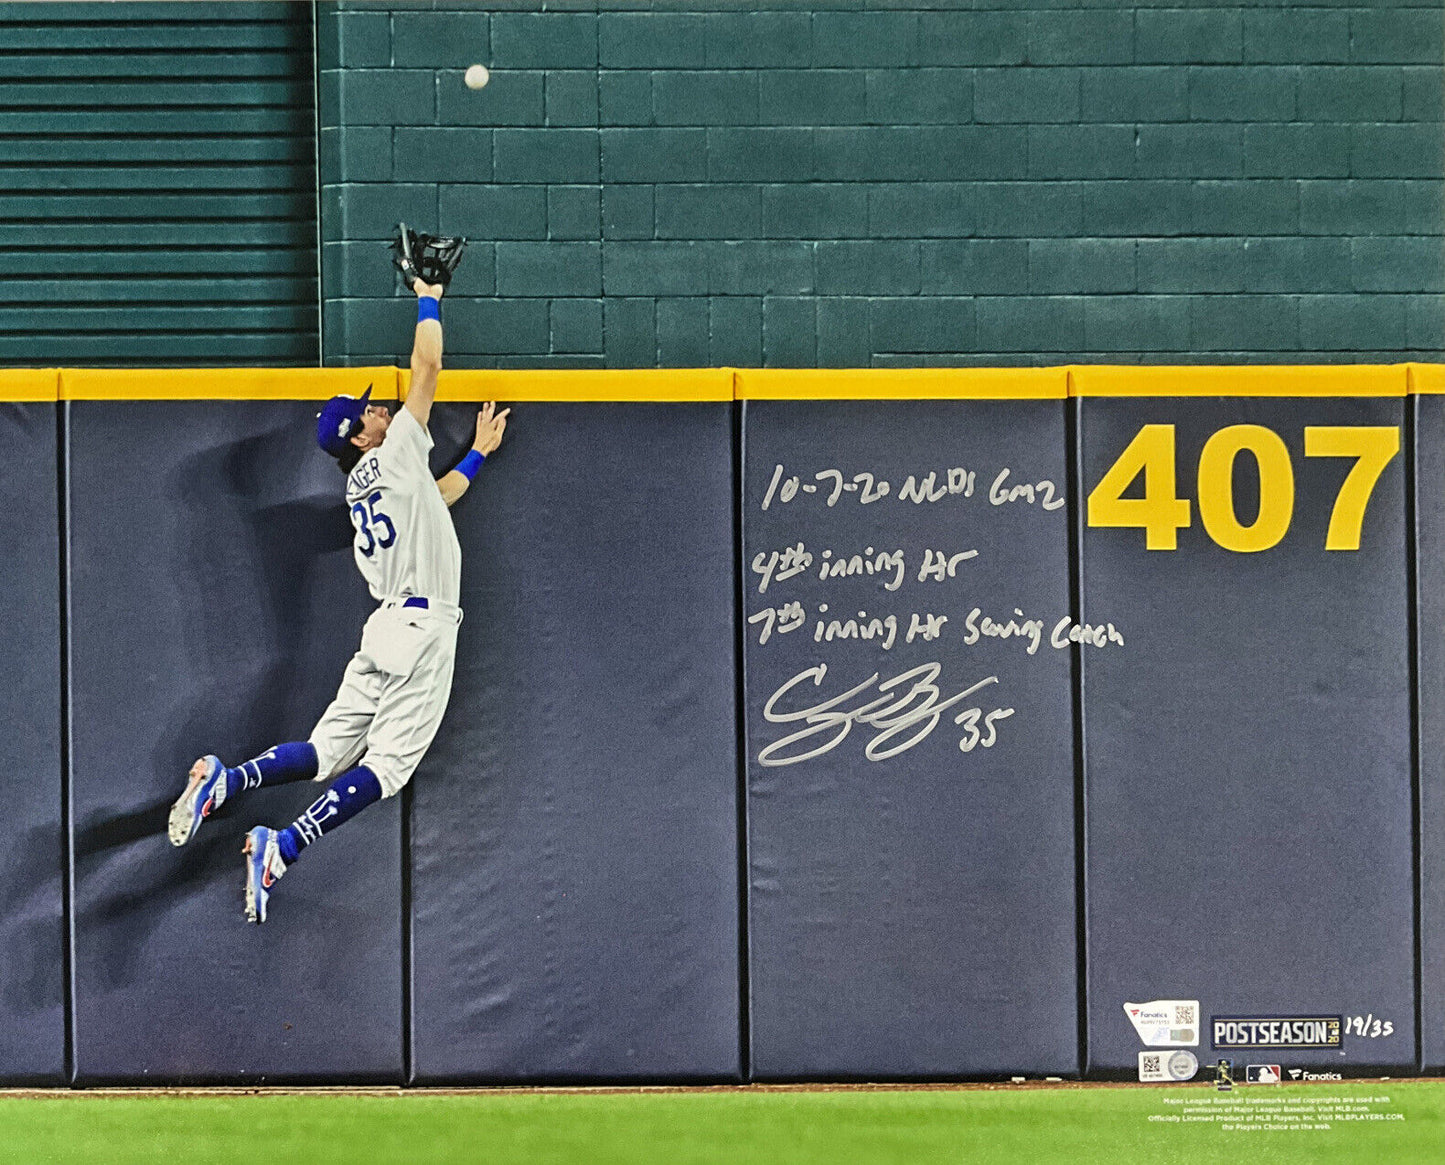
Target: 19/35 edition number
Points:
(1161, 513)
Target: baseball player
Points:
(396, 686)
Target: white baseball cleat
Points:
(264, 865)
(205, 790)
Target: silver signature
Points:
(907, 710)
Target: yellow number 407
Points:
(1161, 513)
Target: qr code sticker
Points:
(1184, 1013)
(1153, 1065)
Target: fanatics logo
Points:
(1165, 1023)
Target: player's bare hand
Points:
(432, 289)
(490, 427)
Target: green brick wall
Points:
(891, 182)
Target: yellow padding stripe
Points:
(901, 384)
(1267, 380)
(683, 385)
(29, 384)
(724, 384)
(1426, 379)
(224, 383)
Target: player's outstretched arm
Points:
(490, 427)
(426, 353)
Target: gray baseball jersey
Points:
(405, 542)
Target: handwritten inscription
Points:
(833, 485)
(776, 566)
(868, 628)
(902, 711)
(978, 626)
(883, 629)
(808, 716)
(1042, 492)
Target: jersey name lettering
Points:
(363, 476)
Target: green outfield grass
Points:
(758, 1127)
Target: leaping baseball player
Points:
(396, 687)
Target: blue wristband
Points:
(469, 464)
(428, 308)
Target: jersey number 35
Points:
(369, 522)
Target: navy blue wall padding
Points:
(214, 604)
(912, 916)
(574, 845)
(1248, 802)
(1430, 631)
(32, 1022)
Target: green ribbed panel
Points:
(157, 184)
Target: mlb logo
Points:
(1262, 1074)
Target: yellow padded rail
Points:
(901, 383)
(223, 383)
(684, 385)
(29, 384)
(1256, 380)
(680, 385)
(1426, 379)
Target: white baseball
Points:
(477, 76)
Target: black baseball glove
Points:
(430, 258)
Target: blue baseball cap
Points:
(340, 420)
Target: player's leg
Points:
(210, 784)
(408, 714)
(269, 851)
(338, 742)
(339, 736)
(407, 718)
(347, 796)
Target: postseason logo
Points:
(1269, 1031)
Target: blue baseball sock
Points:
(275, 766)
(349, 794)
